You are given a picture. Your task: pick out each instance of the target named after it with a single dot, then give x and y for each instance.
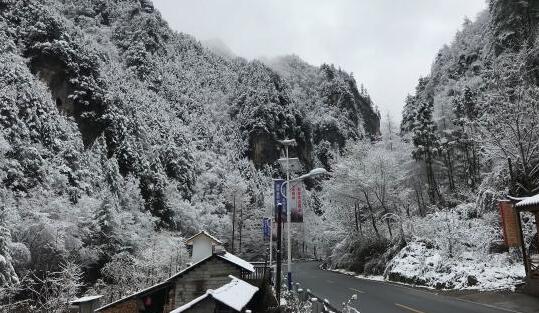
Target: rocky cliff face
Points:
(332, 103)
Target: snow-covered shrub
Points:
(450, 249)
(360, 254)
(293, 304)
(459, 230)
(377, 265)
(422, 263)
(20, 253)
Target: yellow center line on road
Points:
(408, 308)
(357, 290)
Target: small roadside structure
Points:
(530, 257)
(234, 296)
(201, 245)
(86, 304)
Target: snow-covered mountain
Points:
(119, 135)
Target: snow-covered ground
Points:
(419, 264)
(450, 250)
(369, 277)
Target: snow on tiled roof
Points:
(229, 257)
(236, 294)
(203, 233)
(238, 261)
(85, 299)
(528, 201)
(190, 304)
(190, 267)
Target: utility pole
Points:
(279, 258)
(233, 222)
(314, 172)
(271, 242)
(240, 225)
(288, 221)
(287, 143)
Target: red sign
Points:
(511, 233)
(296, 203)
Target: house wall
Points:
(171, 301)
(88, 307)
(202, 248)
(212, 274)
(129, 306)
(205, 306)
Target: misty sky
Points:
(387, 44)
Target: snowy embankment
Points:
(369, 277)
(451, 250)
(420, 264)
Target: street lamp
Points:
(315, 172)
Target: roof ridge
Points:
(205, 233)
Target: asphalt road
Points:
(378, 296)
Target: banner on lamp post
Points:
(279, 196)
(296, 201)
(266, 228)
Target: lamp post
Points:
(279, 258)
(315, 172)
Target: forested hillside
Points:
(119, 137)
(420, 205)
(317, 91)
(473, 119)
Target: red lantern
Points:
(147, 301)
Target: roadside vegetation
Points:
(420, 205)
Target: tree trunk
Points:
(240, 226)
(356, 215)
(233, 223)
(434, 192)
(371, 210)
(449, 165)
(418, 198)
(475, 166)
(389, 228)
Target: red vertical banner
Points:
(508, 214)
(296, 201)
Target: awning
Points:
(527, 203)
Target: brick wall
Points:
(171, 300)
(209, 275)
(204, 306)
(129, 306)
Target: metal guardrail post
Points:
(316, 306)
(326, 306)
(302, 295)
